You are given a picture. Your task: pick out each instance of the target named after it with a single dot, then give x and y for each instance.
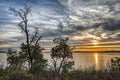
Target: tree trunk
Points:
(28, 45)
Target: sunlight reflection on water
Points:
(96, 60)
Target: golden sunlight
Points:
(95, 42)
(96, 60)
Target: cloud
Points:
(112, 25)
(81, 19)
(10, 34)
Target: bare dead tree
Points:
(23, 24)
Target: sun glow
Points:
(95, 42)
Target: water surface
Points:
(82, 60)
(86, 60)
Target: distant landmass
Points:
(3, 50)
(94, 51)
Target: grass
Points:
(75, 74)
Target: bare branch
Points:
(34, 36)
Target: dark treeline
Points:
(29, 64)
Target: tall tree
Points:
(31, 47)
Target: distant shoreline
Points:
(3, 52)
(80, 52)
(94, 51)
(89, 52)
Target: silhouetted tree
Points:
(13, 59)
(60, 55)
(115, 64)
(30, 49)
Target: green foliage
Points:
(62, 49)
(39, 63)
(60, 54)
(18, 60)
(67, 66)
(15, 74)
(115, 64)
(20, 75)
(14, 59)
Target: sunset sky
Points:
(91, 25)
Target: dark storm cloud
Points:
(112, 25)
(63, 30)
(78, 27)
(109, 24)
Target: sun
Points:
(95, 42)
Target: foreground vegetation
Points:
(50, 74)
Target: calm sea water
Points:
(82, 60)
